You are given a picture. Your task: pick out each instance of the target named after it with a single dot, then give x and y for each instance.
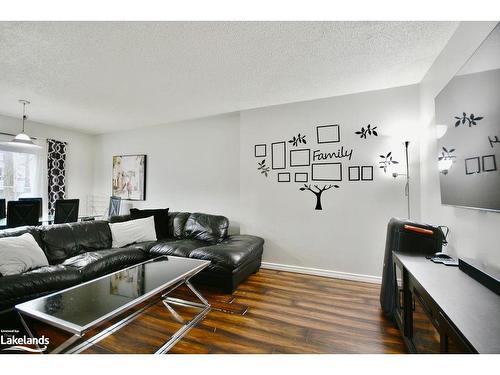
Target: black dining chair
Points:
(114, 206)
(66, 211)
(2, 208)
(21, 213)
(38, 201)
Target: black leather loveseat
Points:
(82, 251)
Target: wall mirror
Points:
(468, 118)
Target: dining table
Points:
(49, 219)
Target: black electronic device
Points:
(441, 255)
(487, 276)
(443, 258)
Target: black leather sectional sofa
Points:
(82, 251)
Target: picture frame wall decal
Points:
(367, 173)
(360, 173)
(317, 169)
(472, 165)
(301, 177)
(326, 171)
(129, 177)
(278, 155)
(489, 163)
(284, 177)
(300, 157)
(328, 133)
(354, 173)
(260, 151)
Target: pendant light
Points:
(23, 139)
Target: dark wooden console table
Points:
(440, 309)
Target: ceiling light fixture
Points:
(23, 139)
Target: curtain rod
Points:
(13, 135)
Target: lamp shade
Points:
(23, 139)
(444, 165)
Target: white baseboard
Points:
(322, 272)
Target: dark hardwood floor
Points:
(272, 312)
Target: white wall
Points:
(191, 166)
(473, 233)
(348, 235)
(79, 158)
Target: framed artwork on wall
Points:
(278, 155)
(284, 177)
(326, 172)
(300, 157)
(260, 151)
(129, 177)
(328, 133)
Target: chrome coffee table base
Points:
(70, 347)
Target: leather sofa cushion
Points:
(92, 235)
(177, 223)
(181, 248)
(59, 242)
(119, 218)
(210, 228)
(161, 220)
(231, 253)
(98, 263)
(63, 241)
(23, 287)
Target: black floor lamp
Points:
(407, 175)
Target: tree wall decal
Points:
(447, 154)
(263, 168)
(387, 161)
(298, 139)
(368, 131)
(318, 192)
(471, 120)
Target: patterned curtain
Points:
(56, 168)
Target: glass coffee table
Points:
(88, 306)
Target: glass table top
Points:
(84, 306)
(49, 219)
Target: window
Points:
(19, 175)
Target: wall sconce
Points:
(407, 176)
(444, 165)
(441, 131)
(445, 160)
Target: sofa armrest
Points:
(231, 252)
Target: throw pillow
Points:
(20, 254)
(132, 231)
(161, 220)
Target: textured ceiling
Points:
(105, 76)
